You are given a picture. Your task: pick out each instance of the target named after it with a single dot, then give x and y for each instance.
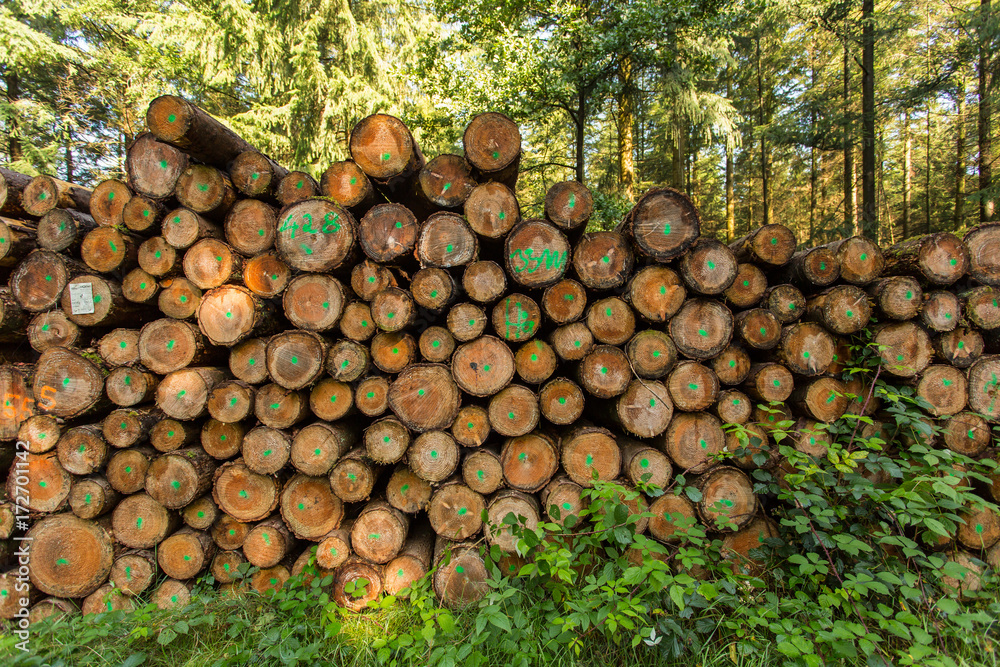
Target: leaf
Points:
(693, 494)
(166, 636)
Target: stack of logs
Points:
(219, 361)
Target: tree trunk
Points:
(849, 222)
(959, 157)
(626, 122)
(985, 120)
(907, 174)
(869, 207)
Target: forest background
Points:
(832, 118)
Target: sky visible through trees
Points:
(829, 117)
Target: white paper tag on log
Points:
(81, 299)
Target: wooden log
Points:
(255, 174)
(393, 309)
(44, 193)
(315, 235)
(757, 328)
(983, 243)
(651, 354)
(13, 320)
(168, 434)
(126, 469)
(466, 322)
(471, 427)
(153, 167)
(786, 302)
(529, 461)
(861, 260)
(221, 440)
(177, 478)
(134, 571)
(250, 226)
(243, 494)
(482, 471)
(353, 477)
(568, 205)
(266, 275)
(372, 397)
(379, 531)
(142, 214)
(564, 302)
(514, 411)
(369, 278)
(82, 450)
(663, 224)
(413, 561)
(225, 566)
(247, 360)
(38, 281)
(386, 151)
(310, 509)
(483, 281)
(388, 232)
(280, 408)
(158, 258)
(12, 185)
(701, 329)
(16, 242)
(40, 433)
(768, 382)
(732, 407)
(492, 210)
(53, 329)
(535, 361)
(19, 400)
(179, 122)
(295, 187)
(806, 348)
(611, 321)
(71, 557)
(905, 348)
(492, 145)
(229, 314)
(604, 372)
(183, 394)
(945, 389)
(843, 309)
(386, 440)
(185, 554)
(166, 345)
(315, 302)
(126, 427)
(446, 241)
(824, 399)
(48, 483)
(433, 456)
(140, 287)
(347, 184)
(983, 387)
(295, 358)
(980, 530)
(127, 386)
(692, 440)
(432, 288)
(228, 533)
(940, 259)
(898, 297)
(770, 245)
(708, 267)
(812, 268)
(425, 397)
(562, 498)
(728, 502)
(356, 321)
(210, 263)
(748, 288)
(63, 229)
(408, 492)
(231, 401)
(455, 510)
(505, 504)
(201, 513)
(561, 401)
(364, 579)
(103, 303)
(140, 522)
(940, 311)
(982, 308)
(183, 227)
(107, 249)
(270, 579)
(967, 433)
(673, 516)
(347, 361)
(644, 464)
(268, 543)
(334, 548)
(316, 448)
(107, 202)
(959, 347)
(516, 318)
(536, 254)
(68, 384)
(436, 344)
(603, 260)
(460, 578)
(590, 453)
(693, 387)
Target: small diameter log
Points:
(247, 360)
(134, 571)
(590, 453)
(256, 175)
(505, 503)
(228, 314)
(604, 372)
(158, 258)
(369, 278)
(40, 433)
(168, 434)
(693, 387)
(535, 362)
(231, 401)
(561, 401)
(183, 394)
(210, 263)
(392, 352)
(201, 513)
(651, 353)
(861, 260)
(18, 399)
(270, 579)
(126, 470)
(806, 348)
(732, 407)
(49, 483)
(466, 321)
(392, 309)
(482, 471)
(63, 229)
(388, 232)
(52, 329)
(983, 243)
(708, 267)
(983, 387)
(492, 145)
(425, 397)
(353, 478)
(407, 492)
(70, 557)
(701, 329)
(295, 358)
(536, 254)
(386, 440)
(455, 510)
(141, 523)
(568, 205)
(225, 566)
(446, 241)
(221, 440)
(529, 461)
(167, 345)
(562, 498)
(39, 280)
(280, 408)
(770, 245)
(967, 433)
(347, 361)
(564, 302)
(433, 456)
(673, 516)
(603, 260)
(461, 577)
(514, 411)
(386, 151)
(843, 309)
(189, 127)
(945, 388)
(127, 386)
(757, 328)
(346, 184)
(980, 530)
(664, 223)
(356, 321)
(125, 427)
(106, 249)
(728, 502)
(106, 599)
(250, 226)
(309, 508)
(768, 382)
(572, 342)
(471, 427)
(960, 347)
(335, 547)
(432, 288)
(185, 554)
(44, 193)
(905, 348)
(941, 258)
(364, 579)
(436, 344)
(243, 494)
(183, 227)
(316, 448)
(266, 275)
(644, 464)
(611, 320)
(786, 302)
(82, 450)
(812, 268)
(492, 210)
(315, 235)
(268, 543)
(175, 479)
(68, 384)
(824, 399)
(898, 297)
(372, 398)
(413, 561)
(692, 440)
(748, 288)
(142, 215)
(296, 186)
(140, 287)
(645, 409)
(379, 531)
(107, 303)
(484, 281)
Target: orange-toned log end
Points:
(185, 554)
(561, 401)
(604, 372)
(728, 501)
(356, 583)
(568, 205)
(673, 516)
(106, 599)
(692, 440)
(70, 557)
(108, 200)
(482, 471)
(492, 210)
(514, 411)
(529, 461)
(379, 532)
(134, 571)
(983, 243)
(861, 260)
(388, 232)
(772, 245)
(105, 249)
(589, 449)
(945, 388)
(701, 329)
(383, 147)
(49, 483)
(738, 548)
(492, 143)
(230, 313)
(244, 494)
(425, 397)
(447, 181)
(483, 367)
(708, 267)
(157, 257)
(967, 433)
(656, 293)
(66, 384)
(652, 354)
(346, 184)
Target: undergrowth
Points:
(854, 575)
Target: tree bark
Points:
(869, 209)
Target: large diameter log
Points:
(843, 309)
(153, 167)
(183, 394)
(316, 448)
(692, 440)
(945, 388)
(461, 576)
(250, 226)
(189, 127)
(229, 314)
(492, 145)
(127, 386)
(664, 223)
(757, 328)
(12, 184)
(107, 249)
(315, 235)
(727, 500)
(67, 384)
(983, 243)
(176, 479)
(569, 205)
(424, 397)
(806, 348)
(388, 232)
(483, 367)
(603, 260)
(53, 329)
(940, 258)
(525, 510)
(243, 494)
(386, 151)
(536, 254)
(611, 321)
(492, 210)
(535, 361)
(708, 267)
(514, 411)
(45, 193)
(347, 184)
(445, 241)
(140, 522)
(310, 508)
(38, 281)
(701, 329)
(70, 557)
(432, 288)
(40, 433)
(379, 532)
(905, 348)
(589, 454)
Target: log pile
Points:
(220, 361)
